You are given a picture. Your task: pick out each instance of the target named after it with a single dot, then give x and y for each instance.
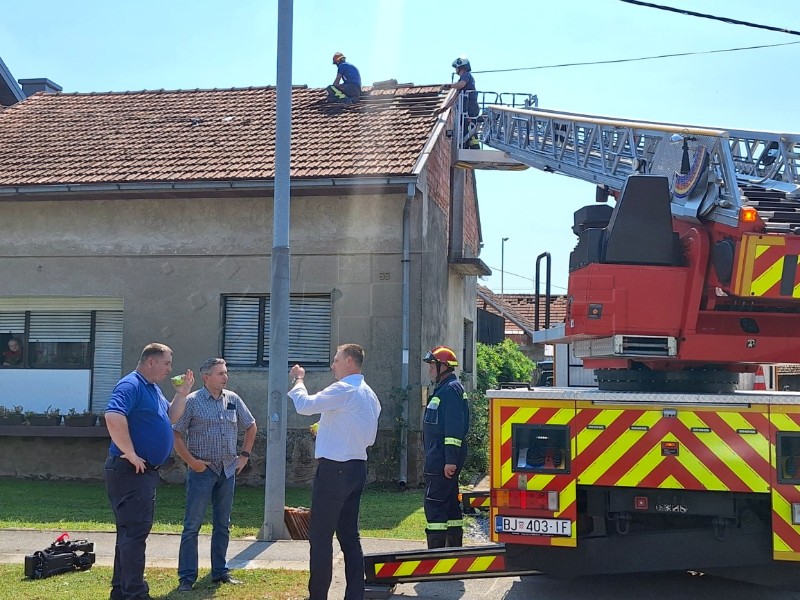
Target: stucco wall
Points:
(170, 259)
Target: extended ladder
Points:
(706, 167)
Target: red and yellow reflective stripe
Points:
(785, 535)
(721, 450)
(441, 566)
(768, 266)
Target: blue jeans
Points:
(133, 498)
(201, 489)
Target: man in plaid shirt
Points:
(205, 437)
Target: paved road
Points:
(162, 550)
(676, 586)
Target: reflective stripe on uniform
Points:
(452, 442)
(437, 526)
(455, 523)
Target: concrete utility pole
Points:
(275, 496)
(502, 267)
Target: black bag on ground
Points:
(61, 556)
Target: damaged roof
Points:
(210, 135)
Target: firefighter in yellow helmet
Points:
(347, 85)
(444, 433)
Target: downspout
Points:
(403, 478)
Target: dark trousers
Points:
(335, 500)
(133, 498)
(442, 511)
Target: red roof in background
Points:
(520, 309)
(197, 135)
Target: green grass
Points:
(79, 506)
(277, 584)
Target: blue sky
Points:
(92, 45)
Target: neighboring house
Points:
(147, 216)
(10, 92)
(519, 314)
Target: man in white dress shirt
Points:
(348, 425)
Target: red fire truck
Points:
(688, 281)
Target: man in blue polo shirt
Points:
(139, 419)
(347, 85)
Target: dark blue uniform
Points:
(349, 90)
(444, 433)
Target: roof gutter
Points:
(422, 159)
(193, 186)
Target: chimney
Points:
(40, 84)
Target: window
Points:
(469, 346)
(787, 452)
(47, 339)
(246, 330)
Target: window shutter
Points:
(12, 322)
(60, 326)
(107, 357)
(309, 330)
(240, 345)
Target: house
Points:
(147, 216)
(519, 315)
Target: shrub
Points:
(495, 364)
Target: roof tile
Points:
(210, 135)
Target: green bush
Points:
(495, 364)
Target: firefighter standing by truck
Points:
(444, 433)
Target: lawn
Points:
(79, 506)
(279, 584)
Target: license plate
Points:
(529, 526)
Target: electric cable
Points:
(691, 13)
(637, 59)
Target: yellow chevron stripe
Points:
(768, 278)
(444, 565)
(563, 541)
(670, 483)
(407, 568)
(481, 563)
(738, 464)
(617, 449)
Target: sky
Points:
(99, 46)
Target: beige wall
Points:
(171, 259)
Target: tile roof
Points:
(520, 309)
(197, 135)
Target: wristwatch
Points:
(244, 453)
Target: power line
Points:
(728, 20)
(641, 58)
(529, 279)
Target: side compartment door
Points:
(532, 478)
(785, 438)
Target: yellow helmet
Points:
(338, 57)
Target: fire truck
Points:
(689, 280)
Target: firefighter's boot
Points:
(455, 537)
(436, 539)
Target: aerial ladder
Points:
(690, 279)
(693, 276)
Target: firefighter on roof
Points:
(444, 433)
(347, 85)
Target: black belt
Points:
(148, 466)
(341, 462)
